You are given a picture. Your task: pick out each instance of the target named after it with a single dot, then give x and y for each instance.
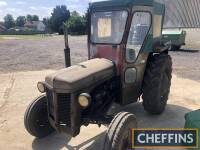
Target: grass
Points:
(23, 37)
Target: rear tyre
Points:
(118, 136)
(36, 118)
(175, 47)
(156, 83)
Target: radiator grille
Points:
(64, 109)
(50, 103)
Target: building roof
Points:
(2, 27)
(1, 23)
(32, 23)
(182, 14)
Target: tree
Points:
(29, 18)
(9, 22)
(35, 18)
(75, 13)
(76, 24)
(86, 19)
(47, 23)
(20, 21)
(59, 16)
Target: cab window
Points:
(108, 27)
(140, 25)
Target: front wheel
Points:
(36, 118)
(118, 136)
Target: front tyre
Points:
(36, 118)
(156, 83)
(118, 136)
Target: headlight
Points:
(41, 87)
(84, 100)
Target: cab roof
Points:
(157, 6)
(123, 3)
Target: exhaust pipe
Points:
(67, 49)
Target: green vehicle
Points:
(192, 121)
(176, 37)
(126, 62)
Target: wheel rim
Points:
(36, 118)
(42, 121)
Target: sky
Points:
(42, 8)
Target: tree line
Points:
(9, 21)
(76, 23)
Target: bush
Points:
(76, 24)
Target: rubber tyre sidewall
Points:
(37, 108)
(175, 47)
(158, 67)
(120, 126)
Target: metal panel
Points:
(182, 13)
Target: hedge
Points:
(21, 32)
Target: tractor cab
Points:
(124, 23)
(125, 31)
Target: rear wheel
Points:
(118, 136)
(156, 83)
(36, 118)
(175, 47)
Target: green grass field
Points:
(23, 37)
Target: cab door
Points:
(135, 58)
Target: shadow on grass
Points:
(173, 117)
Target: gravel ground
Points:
(37, 54)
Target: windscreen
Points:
(108, 27)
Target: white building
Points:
(38, 25)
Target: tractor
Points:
(127, 61)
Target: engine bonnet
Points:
(81, 75)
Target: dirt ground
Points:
(24, 62)
(39, 54)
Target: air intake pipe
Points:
(67, 49)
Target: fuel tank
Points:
(82, 75)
